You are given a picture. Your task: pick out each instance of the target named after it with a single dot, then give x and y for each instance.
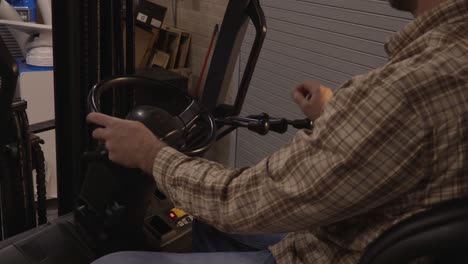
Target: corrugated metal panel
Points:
(325, 40)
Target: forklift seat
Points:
(440, 233)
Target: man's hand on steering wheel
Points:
(129, 143)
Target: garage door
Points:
(325, 40)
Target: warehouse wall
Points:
(325, 40)
(199, 17)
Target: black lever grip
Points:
(279, 125)
(260, 127)
(301, 123)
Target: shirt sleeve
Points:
(363, 152)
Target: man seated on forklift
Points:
(388, 144)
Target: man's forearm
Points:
(222, 197)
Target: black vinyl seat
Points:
(441, 234)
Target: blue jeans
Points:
(210, 246)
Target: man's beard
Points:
(403, 5)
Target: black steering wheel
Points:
(191, 130)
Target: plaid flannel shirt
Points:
(390, 143)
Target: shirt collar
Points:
(447, 12)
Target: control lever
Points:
(278, 125)
(301, 123)
(261, 127)
(262, 124)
